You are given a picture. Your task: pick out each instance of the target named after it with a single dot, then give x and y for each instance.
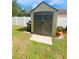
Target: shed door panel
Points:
(37, 24)
(47, 24)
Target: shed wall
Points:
(43, 7)
(32, 23)
(54, 24)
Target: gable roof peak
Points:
(46, 4)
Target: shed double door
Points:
(43, 24)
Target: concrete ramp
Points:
(41, 39)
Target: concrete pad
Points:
(41, 39)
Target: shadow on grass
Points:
(28, 29)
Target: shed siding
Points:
(32, 23)
(54, 24)
(43, 7)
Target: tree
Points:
(28, 10)
(15, 8)
(18, 11)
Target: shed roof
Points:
(45, 4)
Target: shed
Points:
(44, 20)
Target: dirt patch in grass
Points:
(20, 43)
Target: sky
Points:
(59, 4)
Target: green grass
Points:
(23, 48)
(15, 30)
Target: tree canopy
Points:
(18, 11)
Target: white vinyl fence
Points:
(22, 21)
(62, 21)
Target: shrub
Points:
(59, 29)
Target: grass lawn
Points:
(23, 48)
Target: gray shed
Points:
(44, 19)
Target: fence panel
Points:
(20, 21)
(13, 20)
(62, 21)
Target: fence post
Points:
(16, 19)
(24, 21)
